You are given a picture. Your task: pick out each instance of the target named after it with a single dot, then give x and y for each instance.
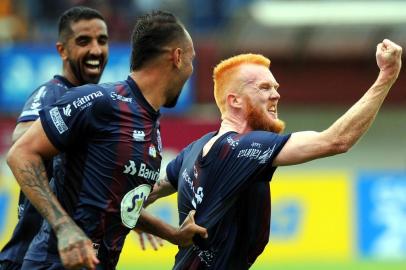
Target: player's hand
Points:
(389, 59)
(188, 229)
(75, 249)
(155, 241)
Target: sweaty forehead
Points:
(90, 27)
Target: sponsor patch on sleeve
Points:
(57, 120)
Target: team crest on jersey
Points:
(138, 135)
(132, 203)
(152, 151)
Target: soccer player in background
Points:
(83, 47)
(224, 176)
(109, 134)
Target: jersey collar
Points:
(64, 81)
(141, 99)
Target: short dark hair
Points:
(151, 33)
(75, 14)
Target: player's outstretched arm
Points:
(154, 240)
(162, 188)
(182, 236)
(25, 159)
(348, 129)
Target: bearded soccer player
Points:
(224, 176)
(83, 48)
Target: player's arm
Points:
(20, 129)
(162, 188)
(25, 159)
(182, 236)
(348, 129)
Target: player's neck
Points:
(152, 86)
(70, 78)
(232, 122)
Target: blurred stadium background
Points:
(344, 212)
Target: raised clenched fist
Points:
(389, 59)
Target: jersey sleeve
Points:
(33, 105)
(73, 117)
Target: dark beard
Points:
(172, 103)
(258, 120)
(76, 69)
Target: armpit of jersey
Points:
(132, 203)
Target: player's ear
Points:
(177, 57)
(234, 100)
(60, 47)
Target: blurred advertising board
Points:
(382, 214)
(24, 67)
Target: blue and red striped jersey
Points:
(110, 137)
(229, 189)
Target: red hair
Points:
(227, 69)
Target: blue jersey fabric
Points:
(110, 137)
(29, 220)
(229, 189)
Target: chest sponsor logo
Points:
(115, 96)
(143, 171)
(132, 203)
(82, 101)
(67, 111)
(258, 154)
(198, 193)
(266, 155)
(57, 120)
(139, 135)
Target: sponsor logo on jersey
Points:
(139, 135)
(130, 169)
(132, 203)
(255, 144)
(233, 143)
(115, 96)
(79, 102)
(258, 154)
(57, 120)
(67, 110)
(251, 153)
(266, 155)
(143, 171)
(197, 192)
